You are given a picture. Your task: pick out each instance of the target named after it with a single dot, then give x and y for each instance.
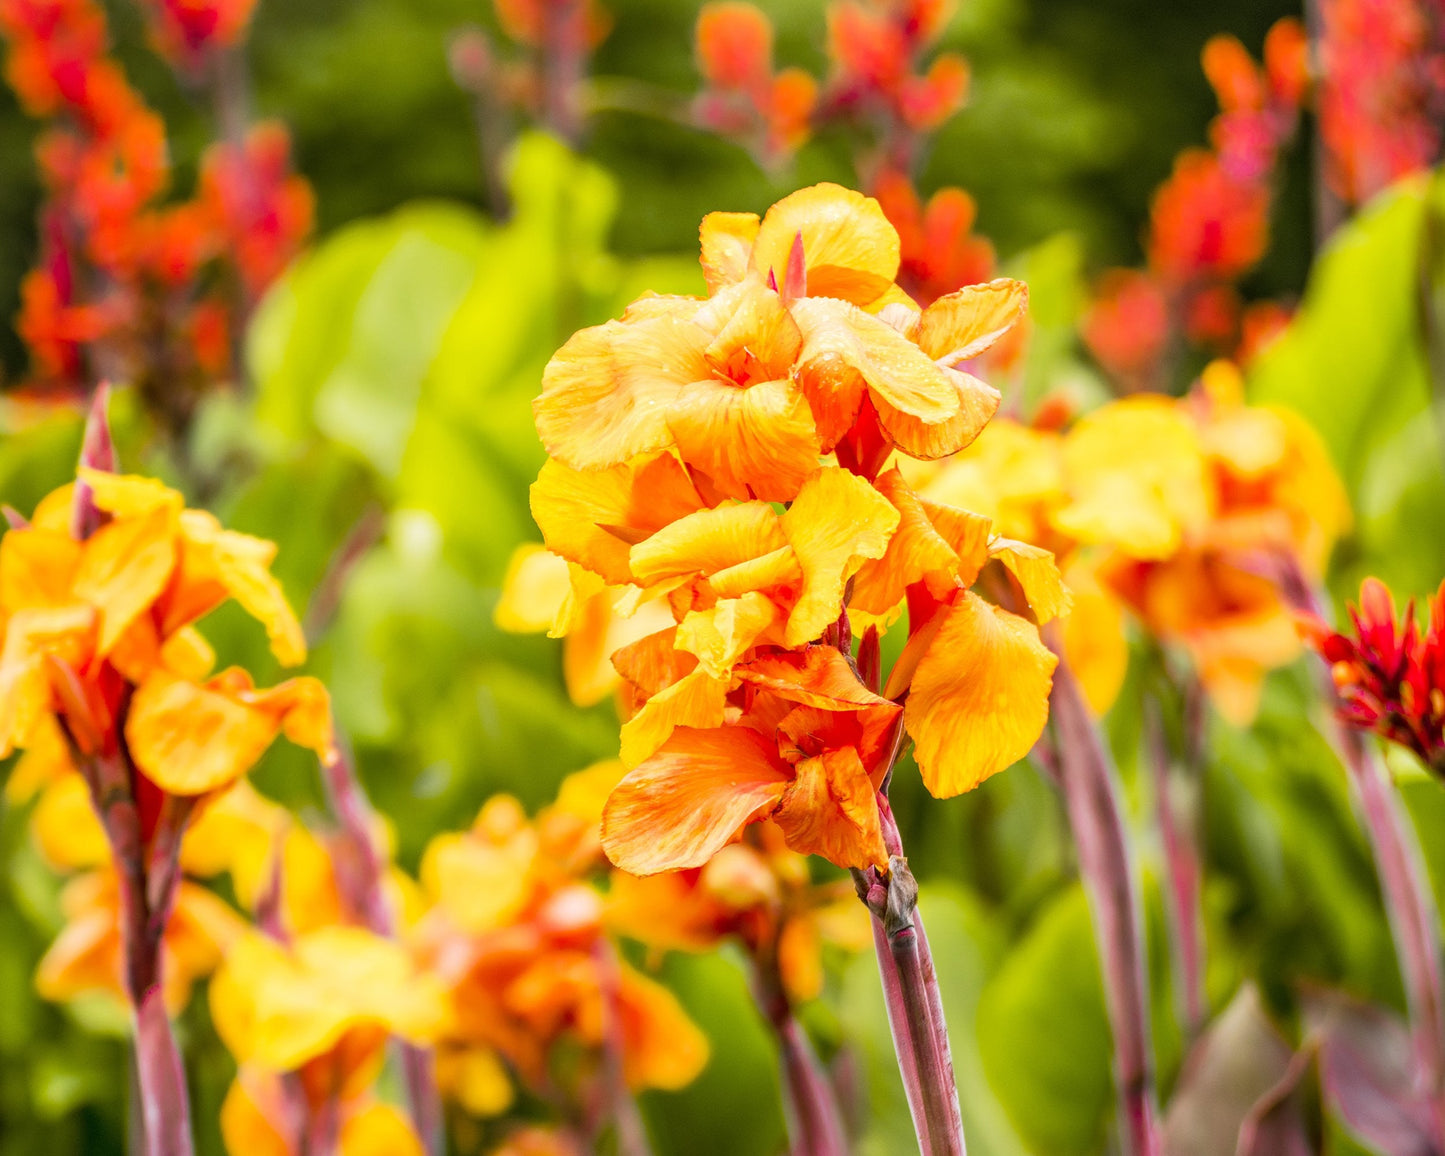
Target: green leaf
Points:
(1044, 1036)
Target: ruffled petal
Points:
(979, 697)
(125, 567)
(605, 393)
(721, 635)
(696, 699)
(686, 802)
(850, 249)
(1037, 573)
(755, 441)
(916, 552)
(727, 245)
(976, 403)
(843, 346)
(831, 810)
(817, 676)
(965, 323)
(593, 518)
(708, 541)
(837, 522)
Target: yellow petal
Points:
(916, 551)
(841, 343)
(37, 569)
(695, 700)
(837, 522)
(831, 810)
(216, 563)
(759, 441)
(533, 590)
(975, 404)
(965, 323)
(708, 541)
(606, 392)
(688, 800)
(475, 1078)
(721, 635)
(850, 249)
(378, 1130)
(594, 518)
(251, 1115)
(124, 569)
(727, 244)
(770, 571)
(65, 828)
(980, 696)
(127, 496)
(1037, 573)
(66, 633)
(1094, 638)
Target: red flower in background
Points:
(938, 250)
(1389, 674)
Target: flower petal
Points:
(708, 541)
(661, 1046)
(593, 518)
(850, 250)
(721, 635)
(696, 699)
(727, 244)
(916, 552)
(125, 568)
(963, 324)
(831, 809)
(534, 589)
(842, 345)
(976, 403)
(817, 676)
(129, 495)
(37, 568)
(979, 697)
(837, 522)
(685, 803)
(605, 393)
(758, 441)
(1037, 573)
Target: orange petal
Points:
(215, 560)
(378, 1130)
(251, 1116)
(1037, 573)
(831, 810)
(758, 441)
(966, 532)
(965, 323)
(979, 698)
(65, 828)
(837, 522)
(975, 404)
(30, 635)
(843, 345)
(593, 518)
(124, 569)
(695, 700)
(727, 244)
(849, 248)
(916, 551)
(661, 1046)
(685, 803)
(652, 663)
(754, 337)
(605, 393)
(771, 571)
(708, 541)
(1094, 638)
(816, 676)
(721, 635)
(37, 568)
(127, 496)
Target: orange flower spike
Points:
(735, 46)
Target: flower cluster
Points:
(1382, 92)
(1173, 508)
(726, 459)
(880, 76)
(129, 287)
(1209, 223)
(189, 33)
(1389, 674)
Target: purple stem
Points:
(1087, 778)
(1409, 903)
(361, 874)
(910, 990)
(1176, 803)
(815, 1124)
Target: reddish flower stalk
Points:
(1176, 794)
(1087, 778)
(1409, 903)
(361, 875)
(616, 1102)
(815, 1124)
(910, 990)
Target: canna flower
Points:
(517, 938)
(1127, 327)
(938, 251)
(1389, 673)
(318, 1011)
(87, 956)
(691, 471)
(744, 97)
(187, 32)
(98, 637)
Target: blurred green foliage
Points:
(393, 371)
